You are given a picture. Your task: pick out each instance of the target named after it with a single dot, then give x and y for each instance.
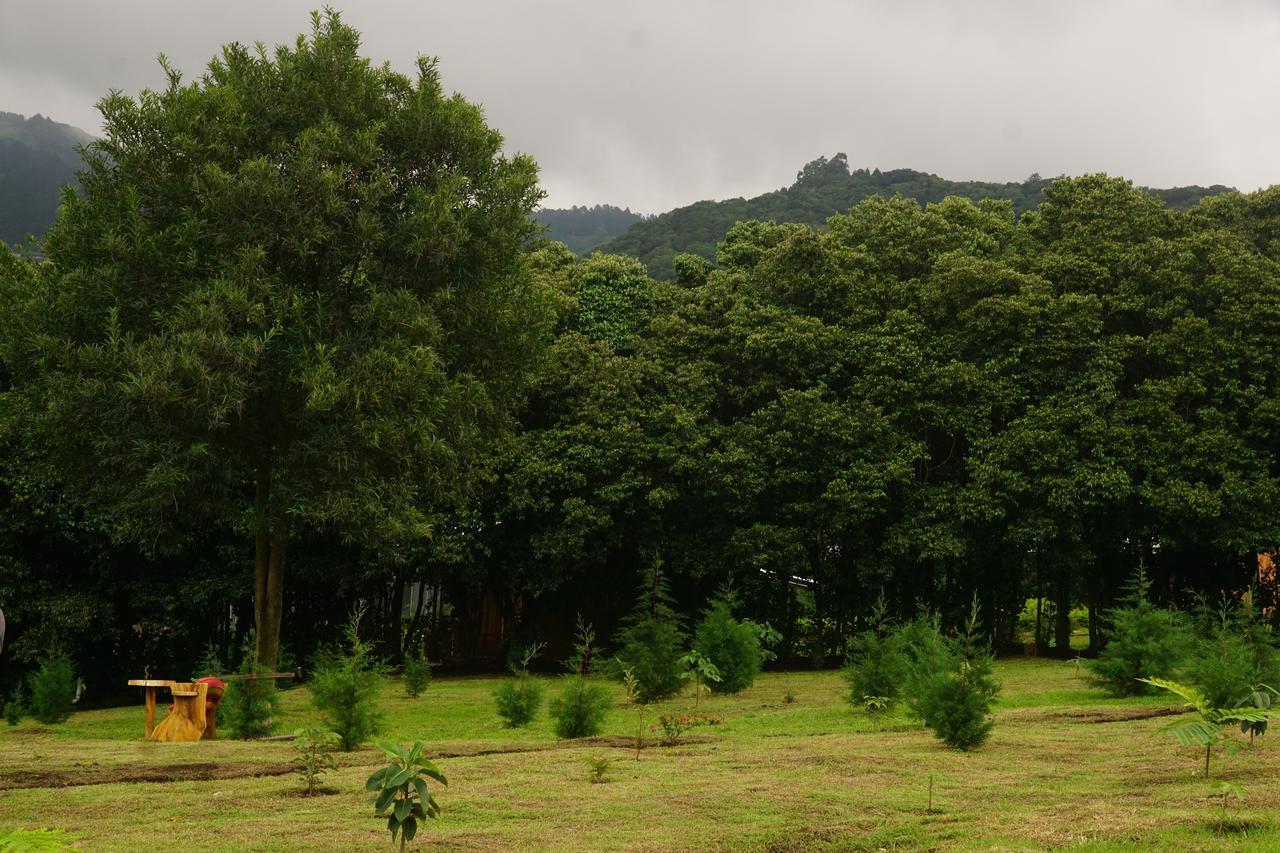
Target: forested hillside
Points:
(824, 188)
(584, 228)
(37, 156)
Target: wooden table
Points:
(150, 684)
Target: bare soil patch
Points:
(147, 773)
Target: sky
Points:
(655, 104)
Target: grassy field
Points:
(1065, 767)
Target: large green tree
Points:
(290, 295)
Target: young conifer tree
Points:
(652, 640)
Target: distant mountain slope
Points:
(584, 228)
(823, 188)
(37, 157)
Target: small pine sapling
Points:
(583, 703)
(401, 793)
(16, 708)
(957, 699)
(733, 647)
(1145, 641)
(632, 687)
(598, 768)
(250, 705)
(314, 748)
(875, 668)
(345, 684)
(53, 690)
(209, 665)
(417, 673)
(520, 697)
(651, 640)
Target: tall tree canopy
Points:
(289, 296)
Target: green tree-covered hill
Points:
(37, 156)
(823, 188)
(585, 228)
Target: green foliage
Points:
(520, 698)
(53, 690)
(249, 706)
(598, 768)
(417, 673)
(732, 647)
(651, 644)
(675, 724)
(1208, 726)
(955, 699)
(209, 665)
(1235, 650)
(314, 748)
(875, 669)
(15, 708)
(291, 290)
(700, 671)
(581, 707)
(583, 703)
(1144, 641)
(401, 793)
(345, 683)
(632, 687)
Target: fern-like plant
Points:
(1208, 727)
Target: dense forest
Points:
(823, 188)
(37, 157)
(585, 228)
(933, 402)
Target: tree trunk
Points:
(268, 573)
(1062, 627)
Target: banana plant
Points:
(1209, 725)
(402, 793)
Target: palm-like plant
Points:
(1209, 726)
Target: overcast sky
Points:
(656, 104)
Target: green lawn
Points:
(1065, 767)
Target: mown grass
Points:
(811, 774)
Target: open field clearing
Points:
(1065, 767)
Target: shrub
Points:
(1145, 641)
(53, 690)
(700, 671)
(733, 647)
(249, 706)
(417, 674)
(875, 668)
(674, 725)
(1234, 652)
(955, 699)
(315, 750)
(344, 687)
(520, 697)
(651, 643)
(581, 707)
(16, 708)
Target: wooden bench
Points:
(194, 712)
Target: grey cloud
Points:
(657, 104)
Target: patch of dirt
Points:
(160, 773)
(320, 791)
(1119, 716)
(210, 771)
